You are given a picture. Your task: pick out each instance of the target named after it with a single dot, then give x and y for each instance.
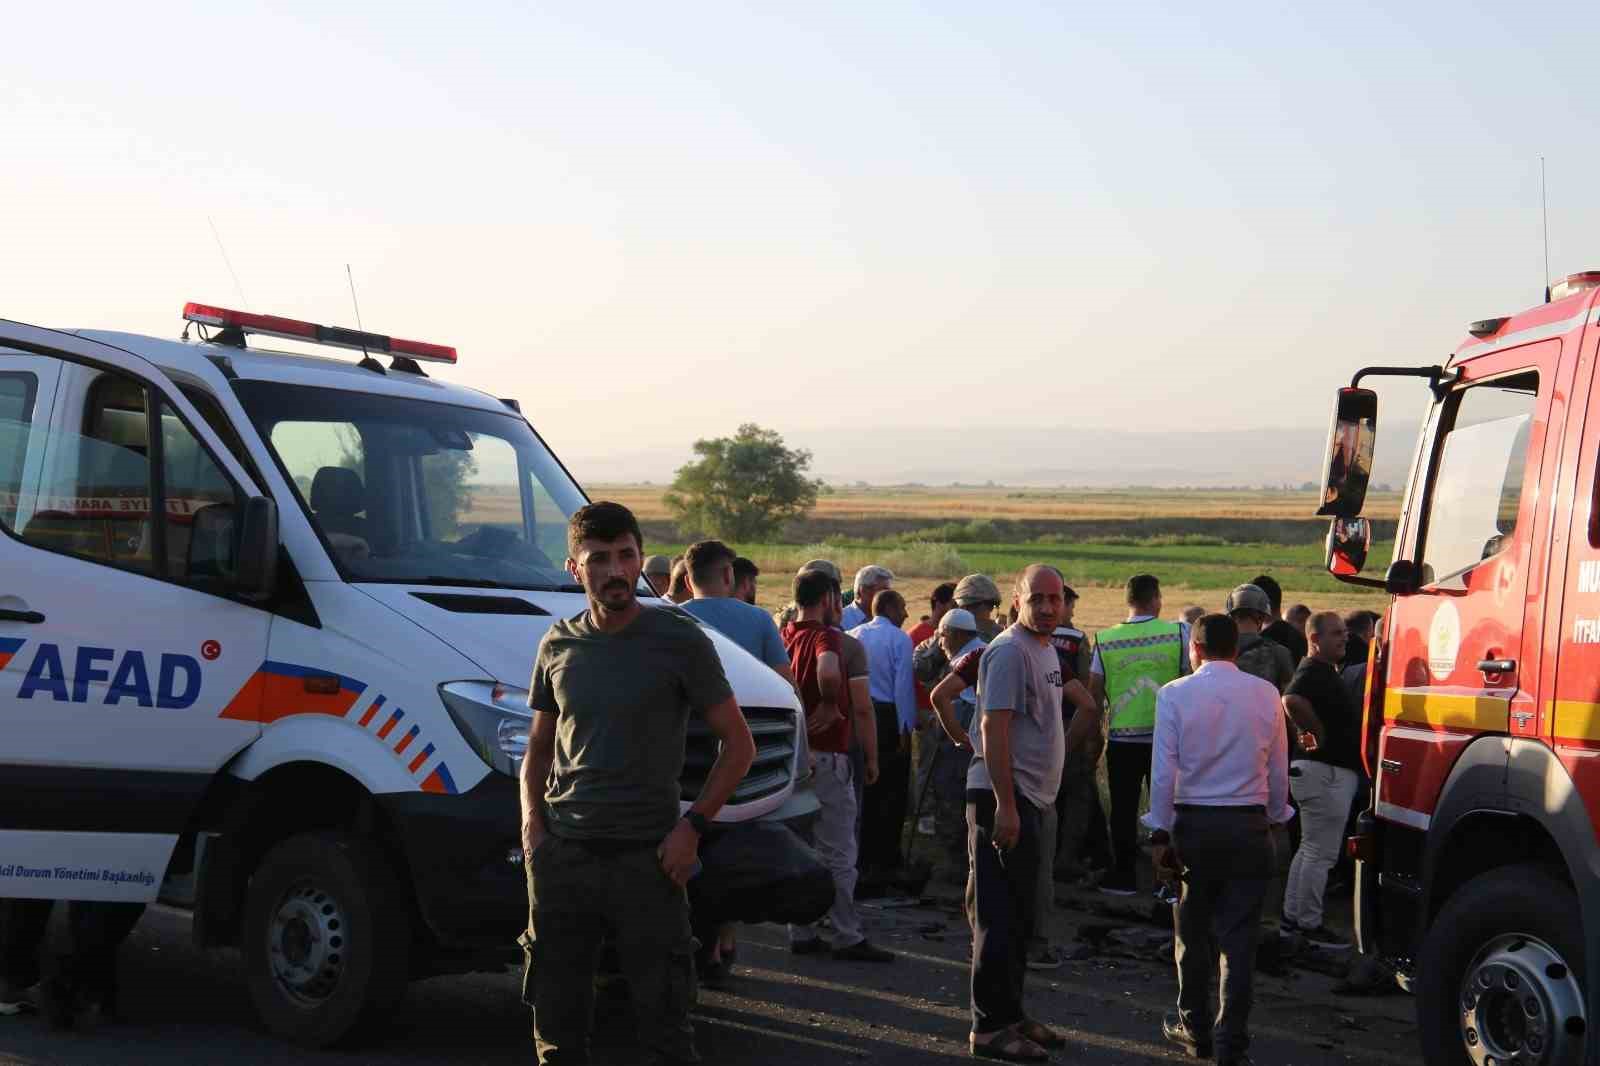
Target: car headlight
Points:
(493, 718)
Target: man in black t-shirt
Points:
(1324, 778)
(605, 849)
(1278, 629)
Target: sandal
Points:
(1041, 1034)
(1007, 1045)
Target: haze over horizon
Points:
(918, 239)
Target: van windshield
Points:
(418, 492)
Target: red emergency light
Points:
(333, 336)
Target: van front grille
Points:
(771, 769)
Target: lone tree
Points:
(743, 487)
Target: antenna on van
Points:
(245, 300)
(1544, 214)
(366, 357)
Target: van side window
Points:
(98, 497)
(203, 506)
(1477, 485)
(16, 415)
(94, 490)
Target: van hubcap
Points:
(306, 943)
(1521, 1006)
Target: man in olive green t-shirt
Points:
(605, 848)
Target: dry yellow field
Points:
(947, 504)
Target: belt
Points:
(1243, 808)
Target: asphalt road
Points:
(187, 1007)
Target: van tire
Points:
(326, 939)
(1515, 927)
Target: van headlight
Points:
(493, 718)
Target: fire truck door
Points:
(1460, 665)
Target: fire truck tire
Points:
(1500, 973)
(326, 939)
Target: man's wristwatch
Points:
(698, 822)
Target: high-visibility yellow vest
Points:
(1138, 658)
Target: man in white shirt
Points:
(870, 580)
(1219, 781)
(894, 704)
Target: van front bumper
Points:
(465, 857)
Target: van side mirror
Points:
(1348, 541)
(1348, 464)
(257, 575)
(1404, 578)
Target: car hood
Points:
(500, 629)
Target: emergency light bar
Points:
(333, 336)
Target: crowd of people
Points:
(1227, 743)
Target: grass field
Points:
(1200, 544)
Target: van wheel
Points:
(1500, 974)
(326, 940)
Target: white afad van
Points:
(266, 623)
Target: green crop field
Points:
(1199, 543)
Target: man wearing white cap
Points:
(954, 700)
(870, 580)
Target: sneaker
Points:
(863, 951)
(1197, 1045)
(1044, 957)
(1117, 883)
(1287, 929)
(1323, 937)
(810, 946)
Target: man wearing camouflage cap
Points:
(979, 594)
(976, 594)
(1251, 611)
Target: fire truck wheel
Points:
(326, 939)
(1500, 973)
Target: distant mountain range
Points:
(1203, 457)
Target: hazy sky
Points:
(652, 222)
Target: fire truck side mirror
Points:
(1348, 541)
(1348, 464)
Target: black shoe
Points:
(810, 946)
(711, 973)
(1197, 1046)
(1326, 938)
(1117, 883)
(863, 951)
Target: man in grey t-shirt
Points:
(1019, 747)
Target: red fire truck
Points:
(1479, 866)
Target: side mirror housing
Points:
(257, 574)
(1348, 542)
(1404, 578)
(1348, 464)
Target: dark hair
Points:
(811, 587)
(1068, 593)
(885, 599)
(1273, 590)
(705, 557)
(1217, 635)
(1142, 588)
(945, 593)
(601, 520)
(744, 568)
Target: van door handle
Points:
(33, 618)
(1497, 666)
